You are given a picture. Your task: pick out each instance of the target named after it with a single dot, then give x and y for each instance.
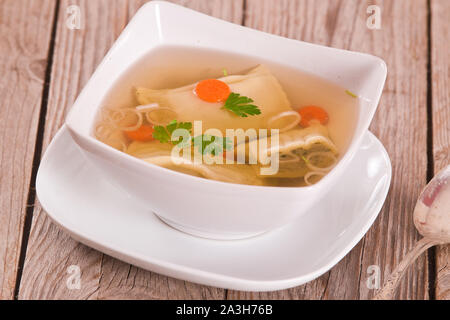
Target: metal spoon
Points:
(432, 220)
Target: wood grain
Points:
(402, 43)
(440, 64)
(399, 123)
(77, 52)
(50, 251)
(24, 43)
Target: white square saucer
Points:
(96, 213)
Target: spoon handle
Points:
(388, 290)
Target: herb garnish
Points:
(241, 105)
(207, 144)
(351, 94)
(164, 134)
(304, 159)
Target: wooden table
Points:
(44, 64)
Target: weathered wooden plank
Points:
(399, 123)
(77, 52)
(440, 64)
(25, 32)
(119, 280)
(51, 251)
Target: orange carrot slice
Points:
(212, 90)
(144, 133)
(310, 113)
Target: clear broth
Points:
(176, 66)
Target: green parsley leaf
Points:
(351, 94)
(241, 105)
(164, 134)
(161, 134)
(207, 144)
(304, 159)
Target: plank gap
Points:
(244, 10)
(37, 154)
(431, 254)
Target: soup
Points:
(228, 117)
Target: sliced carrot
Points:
(310, 113)
(144, 133)
(212, 90)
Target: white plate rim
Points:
(205, 277)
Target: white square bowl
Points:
(204, 207)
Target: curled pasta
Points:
(284, 121)
(126, 119)
(312, 174)
(309, 160)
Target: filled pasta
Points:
(301, 151)
(158, 154)
(258, 83)
(267, 131)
